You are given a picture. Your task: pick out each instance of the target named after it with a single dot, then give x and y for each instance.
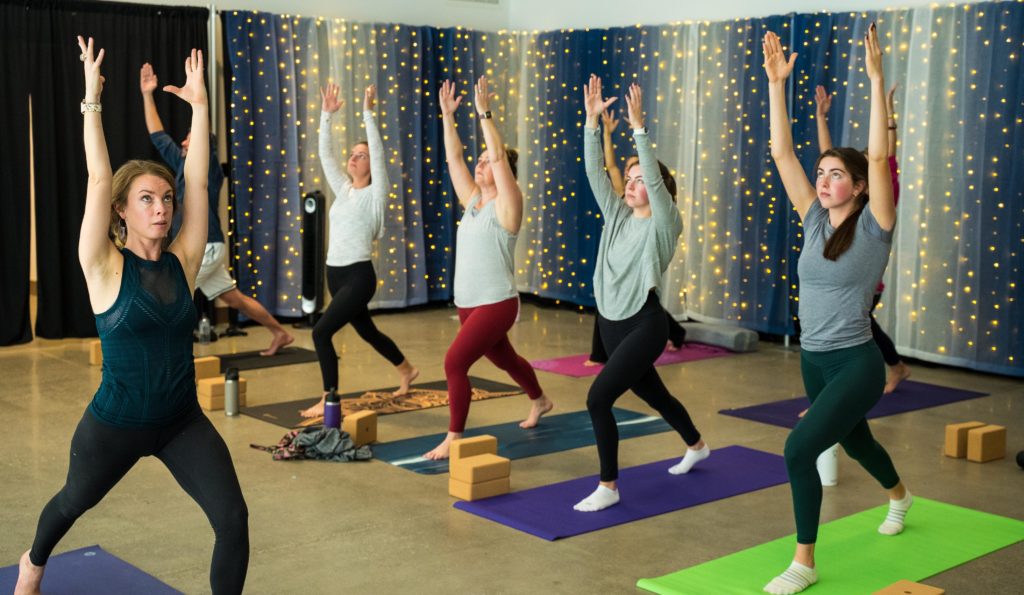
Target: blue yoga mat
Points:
(554, 434)
(908, 396)
(646, 491)
(90, 570)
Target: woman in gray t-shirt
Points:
(847, 237)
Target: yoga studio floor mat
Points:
(908, 396)
(252, 360)
(572, 365)
(647, 490)
(90, 570)
(424, 395)
(852, 557)
(555, 433)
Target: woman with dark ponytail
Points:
(847, 238)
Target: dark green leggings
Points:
(843, 385)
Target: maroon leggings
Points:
(484, 334)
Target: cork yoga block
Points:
(986, 443)
(906, 587)
(95, 353)
(478, 491)
(216, 403)
(480, 469)
(207, 367)
(214, 387)
(361, 426)
(956, 438)
(471, 447)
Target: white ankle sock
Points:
(691, 458)
(796, 578)
(601, 498)
(893, 523)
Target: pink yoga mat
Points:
(572, 365)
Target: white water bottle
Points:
(204, 330)
(828, 466)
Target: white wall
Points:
(486, 15)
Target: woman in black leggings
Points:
(637, 244)
(142, 295)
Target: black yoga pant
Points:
(676, 334)
(633, 344)
(352, 287)
(885, 344)
(198, 459)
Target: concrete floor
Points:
(374, 528)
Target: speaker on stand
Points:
(314, 217)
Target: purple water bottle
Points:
(332, 410)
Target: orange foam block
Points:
(986, 443)
(207, 367)
(478, 491)
(956, 438)
(471, 447)
(361, 426)
(480, 469)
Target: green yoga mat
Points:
(852, 557)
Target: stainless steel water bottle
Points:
(231, 392)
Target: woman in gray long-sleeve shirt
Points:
(637, 245)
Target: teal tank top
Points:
(146, 336)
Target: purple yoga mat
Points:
(646, 491)
(572, 365)
(908, 396)
(90, 570)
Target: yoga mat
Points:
(555, 433)
(572, 365)
(90, 570)
(647, 490)
(908, 396)
(852, 557)
(252, 360)
(423, 395)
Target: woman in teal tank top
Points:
(142, 296)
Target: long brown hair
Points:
(119, 185)
(857, 166)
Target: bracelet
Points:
(92, 107)
(486, 115)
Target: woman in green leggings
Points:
(847, 237)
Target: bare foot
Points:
(408, 373)
(441, 450)
(897, 374)
(538, 408)
(802, 413)
(280, 340)
(670, 346)
(316, 410)
(30, 577)
(591, 363)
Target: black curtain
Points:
(14, 171)
(131, 34)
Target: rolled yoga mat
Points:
(555, 433)
(908, 396)
(90, 570)
(252, 360)
(852, 557)
(646, 491)
(572, 365)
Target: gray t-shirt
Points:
(484, 258)
(835, 296)
(634, 253)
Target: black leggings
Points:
(198, 459)
(352, 287)
(676, 334)
(884, 342)
(633, 345)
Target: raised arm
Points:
(147, 84)
(890, 108)
(335, 174)
(608, 125)
(190, 244)
(96, 253)
(824, 103)
(879, 177)
(378, 161)
(799, 189)
(663, 210)
(595, 104)
(509, 203)
(462, 178)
